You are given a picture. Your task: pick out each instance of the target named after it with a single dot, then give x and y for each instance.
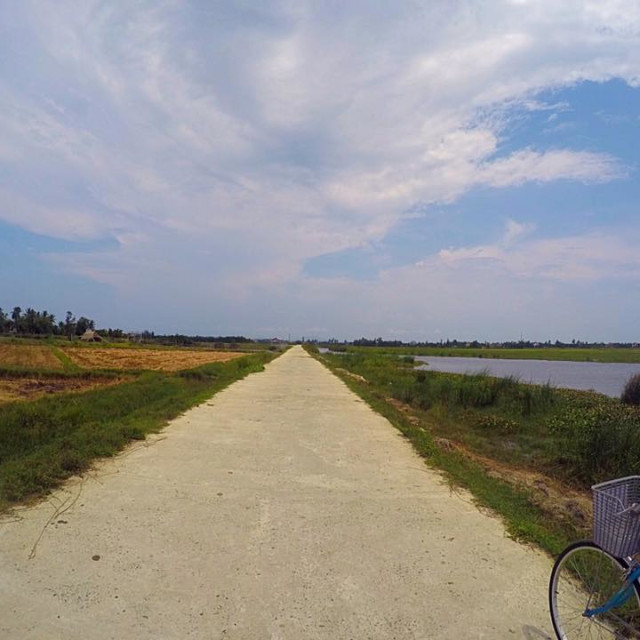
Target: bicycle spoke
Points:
(583, 578)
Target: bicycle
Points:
(594, 589)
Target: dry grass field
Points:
(28, 356)
(31, 388)
(149, 359)
(43, 358)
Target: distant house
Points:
(90, 336)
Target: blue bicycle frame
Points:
(618, 598)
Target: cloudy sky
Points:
(406, 169)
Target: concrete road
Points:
(283, 508)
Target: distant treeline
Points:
(42, 323)
(183, 340)
(475, 344)
(33, 323)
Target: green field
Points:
(604, 354)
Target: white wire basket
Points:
(616, 516)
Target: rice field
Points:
(31, 371)
(29, 356)
(147, 359)
(31, 388)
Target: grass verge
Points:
(47, 440)
(522, 514)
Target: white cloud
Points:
(587, 258)
(301, 130)
(529, 166)
(541, 289)
(516, 230)
(392, 112)
(64, 222)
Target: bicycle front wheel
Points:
(586, 577)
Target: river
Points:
(603, 377)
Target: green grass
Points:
(13, 372)
(523, 518)
(576, 438)
(67, 363)
(47, 440)
(606, 354)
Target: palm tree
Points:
(15, 317)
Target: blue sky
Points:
(408, 170)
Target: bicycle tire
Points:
(584, 575)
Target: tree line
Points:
(43, 323)
(519, 344)
(31, 322)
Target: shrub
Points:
(403, 392)
(631, 392)
(496, 423)
(598, 441)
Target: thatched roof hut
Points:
(90, 336)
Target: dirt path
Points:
(283, 508)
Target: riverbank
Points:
(529, 452)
